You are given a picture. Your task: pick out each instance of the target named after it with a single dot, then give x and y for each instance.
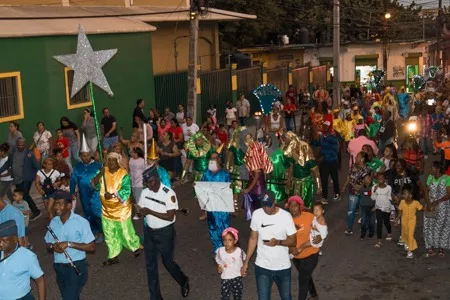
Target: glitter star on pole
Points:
(87, 64)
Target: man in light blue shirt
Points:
(9, 212)
(17, 266)
(76, 238)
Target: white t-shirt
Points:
(382, 198)
(243, 107)
(230, 113)
(54, 176)
(212, 112)
(42, 142)
(180, 116)
(322, 230)
(189, 131)
(231, 262)
(278, 226)
(162, 201)
(2, 162)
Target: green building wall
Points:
(129, 74)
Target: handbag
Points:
(36, 151)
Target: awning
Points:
(366, 60)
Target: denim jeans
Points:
(353, 205)
(289, 123)
(305, 267)
(69, 283)
(74, 150)
(265, 279)
(242, 121)
(109, 142)
(367, 220)
(5, 189)
(425, 145)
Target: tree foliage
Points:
(361, 20)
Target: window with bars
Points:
(82, 98)
(11, 102)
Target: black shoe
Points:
(362, 237)
(185, 289)
(370, 235)
(34, 217)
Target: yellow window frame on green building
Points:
(82, 98)
(11, 100)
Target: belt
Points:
(67, 265)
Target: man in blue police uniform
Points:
(9, 212)
(17, 266)
(158, 204)
(75, 236)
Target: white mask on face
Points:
(213, 166)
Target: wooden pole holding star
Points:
(87, 66)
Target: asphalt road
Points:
(348, 269)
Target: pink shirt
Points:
(161, 130)
(137, 167)
(355, 146)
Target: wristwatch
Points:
(69, 244)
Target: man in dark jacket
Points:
(24, 166)
(139, 112)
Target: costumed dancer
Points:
(277, 178)
(403, 102)
(259, 165)
(236, 166)
(303, 170)
(82, 175)
(114, 184)
(218, 221)
(199, 151)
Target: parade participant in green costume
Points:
(303, 170)
(277, 178)
(236, 165)
(199, 151)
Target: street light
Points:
(387, 15)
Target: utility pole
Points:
(336, 55)
(437, 60)
(193, 56)
(385, 40)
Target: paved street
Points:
(348, 269)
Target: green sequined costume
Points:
(238, 159)
(302, 181)
(277, 180)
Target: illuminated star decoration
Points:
(87, 64)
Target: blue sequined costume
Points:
(90, 198)
(218, 221)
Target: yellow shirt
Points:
(338, 126)
(409, 210)
(349, 127)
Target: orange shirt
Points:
(303, 225)
(445, 145)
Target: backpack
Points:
(47, 185)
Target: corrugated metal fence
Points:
(170, 90)
(216, 90)
(319, 76)
(247, 81)
(279, 78)
(300, 78)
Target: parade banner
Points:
(214, 196)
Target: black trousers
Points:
(69, 283)
(26, 186)
(327, 169)
(383, 218)
(160, 241)
(305, 268)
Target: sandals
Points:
(430, 253)
(137, 252)
(441, 253)
(378, 245)
(111, 261)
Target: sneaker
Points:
(35, 217)
(337, 197)
(362, 237)
(348, 232)
(324, 201)
(400, 242)
(389, 238)
(410, 255)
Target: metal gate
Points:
(279, 78)
(216, 90)
(319, 76)
(247, 81)
(170, 91)
(300, 79)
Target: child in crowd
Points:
(46, 184)
(59, 163)
(137, 167)
(389, 155)
(382, 195)
(63, 143)
(25, 209)
(367, 205)
(229, 260)
(212, 111)
(97, 156)
(64, 185)
(407, 213)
